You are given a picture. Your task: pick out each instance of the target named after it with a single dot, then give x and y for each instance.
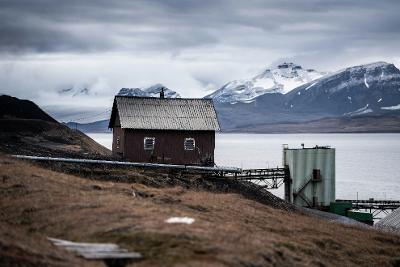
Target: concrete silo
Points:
(312, 175)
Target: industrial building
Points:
(164, 130)
(312, 176)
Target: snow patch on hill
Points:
(397, 107)
(361, 111)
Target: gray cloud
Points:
(192, 45)
(167, 26)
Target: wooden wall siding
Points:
(169, 146)
(118, 132)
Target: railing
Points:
(267, 178)
(132, 164)
(271, 178)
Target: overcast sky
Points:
(192, 47)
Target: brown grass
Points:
(229, 230)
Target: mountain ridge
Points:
(281, 79)
(369, 89)
(358, 90)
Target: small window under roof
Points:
(189, 144)
(149, 143)
(118, 142)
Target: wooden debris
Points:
(111, 254)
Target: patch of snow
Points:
(365, 82)
(264, 83)
(299, 93)
(185, 220)
(397, 107)
(291, 106)
(349, 98)
(308, 87)
(249, 101)
(380, 99)
(360, 111)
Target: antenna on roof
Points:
(162, 93)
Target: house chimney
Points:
(162, 93)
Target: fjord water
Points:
(365, 163)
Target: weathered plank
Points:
(111, 254)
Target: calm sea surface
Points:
(365, 163)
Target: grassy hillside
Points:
(229, 230)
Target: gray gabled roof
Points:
(165, 114)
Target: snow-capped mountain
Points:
(152, 91)
(370, 89)
(74, 91)
(353, 91)
(281, 79)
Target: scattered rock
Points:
(96, 187)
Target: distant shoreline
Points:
(358, 124)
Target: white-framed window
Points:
(189, 144)
(149, 143)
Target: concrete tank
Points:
(312, 173)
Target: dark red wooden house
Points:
(164, 130)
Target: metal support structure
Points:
(313, 179)
(375, 207)
(271, 178)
